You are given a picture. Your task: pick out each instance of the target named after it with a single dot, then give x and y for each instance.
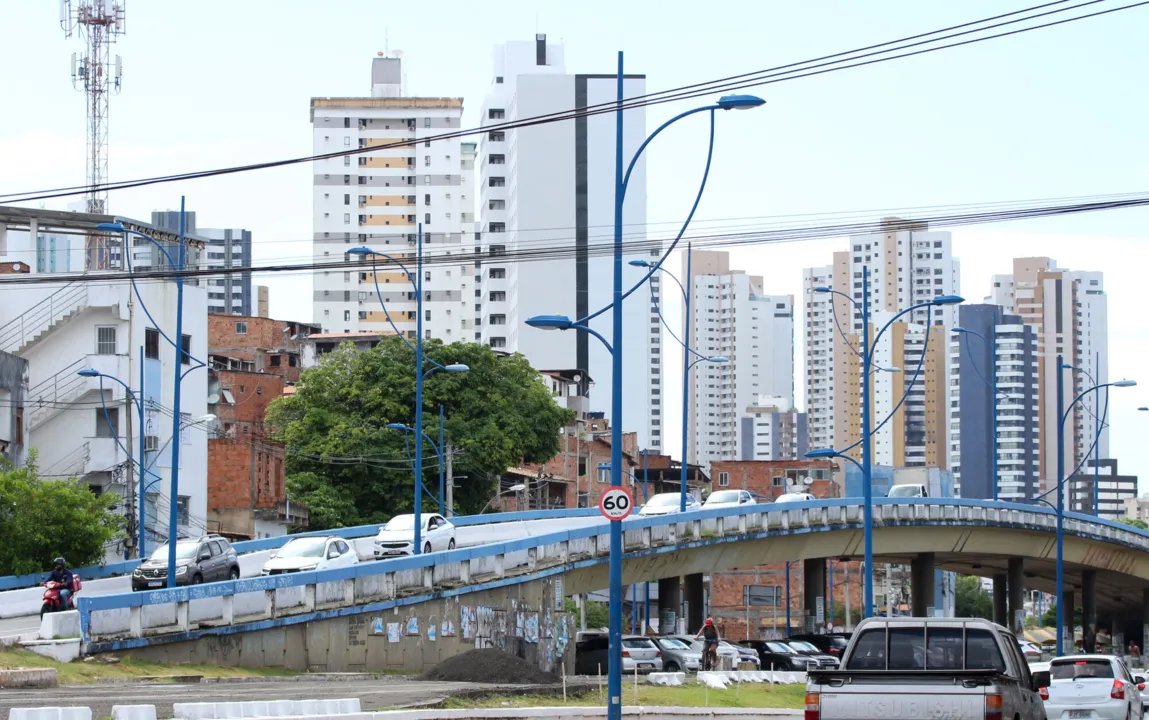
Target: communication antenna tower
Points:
(99, 23)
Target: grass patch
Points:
(694, 694)
(76, 673)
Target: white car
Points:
(667, 504)
(1030, 650)
(304, 554)
(1098, 687)
(794, 497)
(397, 537)
(728, 498)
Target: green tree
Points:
(349, 469)
(597, 613)
(972, 600)
(1134, 522)
(44, 519)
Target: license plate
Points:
(1080, 714)
(645, 665)
(154, 583)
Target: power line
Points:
(791, 71)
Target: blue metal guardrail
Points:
(87, 605)
(125, 567)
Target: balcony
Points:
(104, 453)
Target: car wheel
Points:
(451, 545)
(427, 548)
(234, 574)
(197, 579)
(671, 667)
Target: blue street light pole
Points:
(1063, 415)
(866, 466)
(561, 322)
(687, 363)
(1099, 416)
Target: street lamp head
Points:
(823, 289)
(958, 330)
(718, 359)
(361, 251)
(457, 367)
(740, 102)
(89, 373)
(1143, 409)
(517, 488)
(822, 453)
(1125, 383)
(639, 263)
(947, 300)
(889, 369)
(550, 322)
(396, 426)
(112, 227)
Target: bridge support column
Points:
(695, 605)
(922, 584)
(814, 591)
(669, 604)
(1144, 621)
(1000, 591)
(1089, 601)
(1067, 600)
(1017, 595)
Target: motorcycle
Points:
(52, 601)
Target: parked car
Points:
(397, 537)
(210, 558)
(910, 490)
(726, 652)
(1099, 687)
(728, 498)
(919, 667)
(823, 661)
(777, 655)
(638, 652)
(1030, 650)
(745, 654)
(794, 497)
(667, 504)
(677, 656)
(303, 554)
(829, 643)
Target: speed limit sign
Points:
(616, 503)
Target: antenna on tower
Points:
(99, 23)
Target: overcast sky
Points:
(1053, 113)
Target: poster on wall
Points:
(394, 632)
(431, 627)
(447, 628)
(412, 626)
(467, 621)
(531, 628)
(376, 626)
(485, 622)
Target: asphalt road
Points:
(386, 693)
(19, 625)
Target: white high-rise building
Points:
(908, 265)
(1069, 313)
(732, 317)
(549, 186)
(379, 198)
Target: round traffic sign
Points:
(616, 503)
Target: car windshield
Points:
(780, 648)
(803, 646)
(723, 496)
(905, 491)
(673, 644)
(184, 551)
(401, 522)
(303, 547)
(665, 500)
(1073, 669)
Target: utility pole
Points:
(449, 451)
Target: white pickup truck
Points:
(917, 668)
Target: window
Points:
(103, 421)
(347, 218)
(497, 205)
(497, 273)
(346, 122)
(186, 347)
(498, 296)
(105, 341)
(274, 360)
(723, 479)
(427, 143)
(497, 181)
(496, 136)
(347, 142)
(495, 114)
(346, 316)
(346, 199)
(426, 160)
(498, 227)
(426, 122)
(498, 159)
(151, 443)
(346, 161)
(152, 343)
(426, 218)
(183, 512)
(426, 179)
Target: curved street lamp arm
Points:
(419, 475)
(891, 321)
(658, 309)
(837, 324)
(143, 305)
(114, 430)
(379, 294)
(653, 135)
(675, 279)
(1069, 408)
(589, 331)
(969, 352)
(658, 265)
(1096, 437)
(913, 379)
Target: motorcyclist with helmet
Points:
(61, 574)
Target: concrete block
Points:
(50, 713)
(28, 678)
(666, 678)
(193, 711)
(133, 712)
(58, 650)
(57, 625)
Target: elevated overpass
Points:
(378, 615)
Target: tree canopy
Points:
(350, 469)
(44, 519)
(971, 599)
(1134, 522)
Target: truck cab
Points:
(913, 490)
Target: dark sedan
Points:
(777, 655)
(825, 660)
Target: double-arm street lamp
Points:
(866, 466)
(561, 322)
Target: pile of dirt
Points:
(488, 665)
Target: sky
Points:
(1054, 113)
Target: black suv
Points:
(207, 559)
(830, 643)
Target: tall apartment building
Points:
(732, 317)
(229, 248)
(1009, 352)
(1069, 314)
(908, 264)
(552, 185)
(406, 177)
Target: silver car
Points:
(678, 656)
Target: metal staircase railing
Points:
(49, 396)
(22, 331)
